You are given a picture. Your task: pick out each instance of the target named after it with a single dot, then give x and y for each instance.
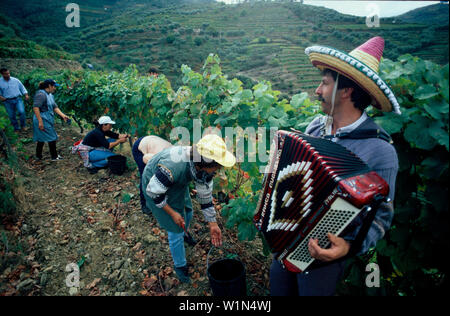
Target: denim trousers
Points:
(99, 158)
(176, 244)
(11, 107)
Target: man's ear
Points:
(347, 93)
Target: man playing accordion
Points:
(350, 83)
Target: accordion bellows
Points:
(312, 187)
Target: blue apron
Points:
(49, 133)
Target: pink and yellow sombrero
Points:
(361, 66)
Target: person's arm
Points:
(61, 114)
(2, 98)
(204, 197)
(117, 142)
(157, 187)
(23, 90)
(37, 112)
(176, 217)
(39, 100)
(112, 135)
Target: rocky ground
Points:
(69, 218)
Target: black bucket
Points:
(227, 277)
(117, 164)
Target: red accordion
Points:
(312, 187)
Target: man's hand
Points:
(41, 125)
(339, 248)
(27, 97)
(178, 219)
(2, 98)
(216, 234)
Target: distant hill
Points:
(21, 56)
(255, 40)
(20, 66)
(436, 14)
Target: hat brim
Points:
(228, 160)
(383, 97)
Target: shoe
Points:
(92, 170)
(183, 274)
(37, 158)
(190, 240)
(57, 158)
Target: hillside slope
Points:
(22, 66)
(255, 41)
(434, 14)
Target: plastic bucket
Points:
(227, 277)
(117, 164)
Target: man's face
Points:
(107, 127)
(325, 92)
(52, 89)
(6, 75)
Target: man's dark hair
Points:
(153, 69)
(44, 85)
(2, 70)
(360, 98)
(195, 157)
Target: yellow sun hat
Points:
(213, 147)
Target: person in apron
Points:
(44, 108)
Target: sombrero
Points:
(361, 66)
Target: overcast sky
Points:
(362, 8)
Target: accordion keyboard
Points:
(341, 213)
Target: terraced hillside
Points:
(255, 41)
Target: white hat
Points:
(105, 120)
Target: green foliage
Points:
(7, 201)
(147, 105)
(7, 162)
(235, 111)
(16, 48)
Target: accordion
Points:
(312, 187)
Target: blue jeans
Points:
(176, 244)
(99, 158)
(11, 107)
